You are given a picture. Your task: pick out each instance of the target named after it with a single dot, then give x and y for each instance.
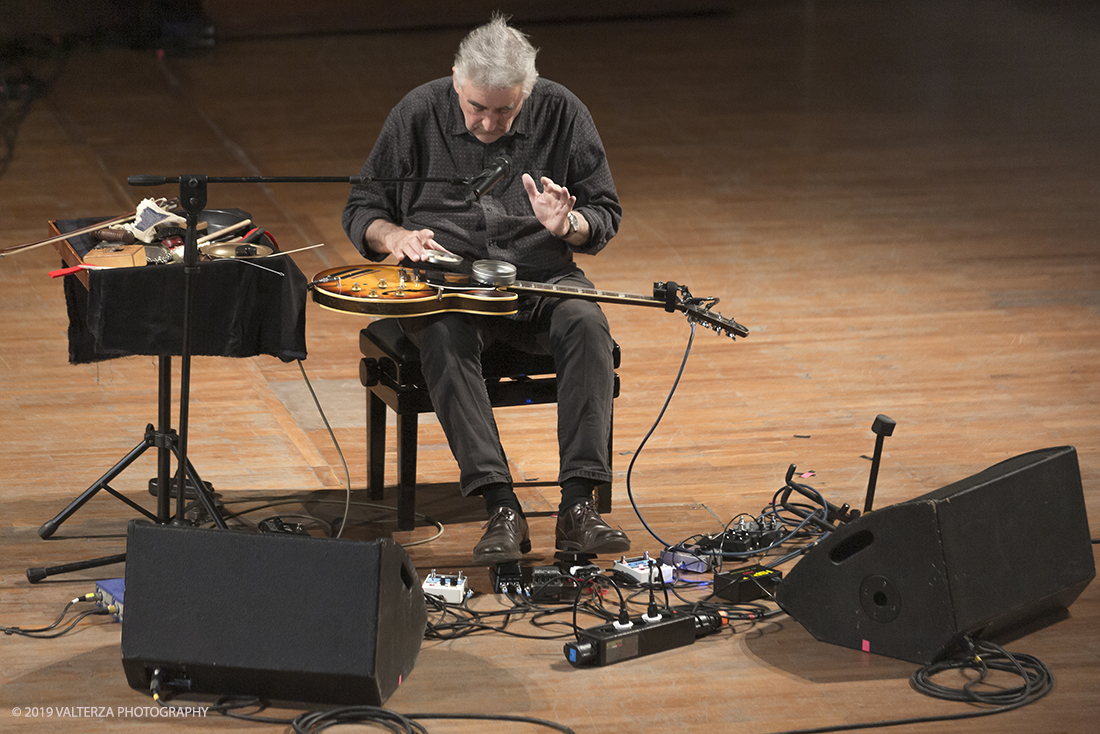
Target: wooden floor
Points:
(899, 199)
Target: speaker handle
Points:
(882, 427)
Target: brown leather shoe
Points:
(580, 529)
(506, 538)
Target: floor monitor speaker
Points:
(279, 616)
(981, 558)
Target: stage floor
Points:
(898, 199)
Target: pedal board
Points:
(544, 583)
(745, 536)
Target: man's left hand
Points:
(551, 205)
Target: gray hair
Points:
(496, 56)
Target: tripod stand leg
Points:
(163, 439)
(50, 526)
(195, 487)
(34, 575)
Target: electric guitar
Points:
(396, 291)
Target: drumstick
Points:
(58, 238)
(227, 230)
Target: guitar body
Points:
(389, 290)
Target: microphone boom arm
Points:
(353, 180)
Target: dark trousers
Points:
(573, 331)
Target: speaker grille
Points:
(278, 616)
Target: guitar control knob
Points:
(355, 288)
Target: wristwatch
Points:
(574, 225)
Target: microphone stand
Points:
(353, 180)
(193, 194)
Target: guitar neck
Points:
(697, 310)
(589, 294)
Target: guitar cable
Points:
(347, 475)
(668, 400)
(332, 435)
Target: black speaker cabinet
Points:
(981, 557)
(279, 616)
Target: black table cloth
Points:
(239, 310)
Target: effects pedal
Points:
(688, 558)
(579, 565)
(745, 536)
(544, 583)
(747, 584)
(507, 578)
(548, 583)
(642, 570)
(276, 525)
(451, 588)
(111, 592)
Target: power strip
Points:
(614, 642)
(451, 588)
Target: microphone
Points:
(490, 177)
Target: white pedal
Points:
(451, 588)
(644, 570)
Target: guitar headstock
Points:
(678, 298)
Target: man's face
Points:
(489, 113)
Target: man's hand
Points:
(551, 205)
(403, 244)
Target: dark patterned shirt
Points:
(425, 136)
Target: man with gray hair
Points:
(494, 104)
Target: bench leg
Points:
(406, 471)
(603, 497)
(376, 446)
(603, 490)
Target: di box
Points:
(986, 557)
(279, 616)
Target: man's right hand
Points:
(390, 239)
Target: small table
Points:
(240, 311)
